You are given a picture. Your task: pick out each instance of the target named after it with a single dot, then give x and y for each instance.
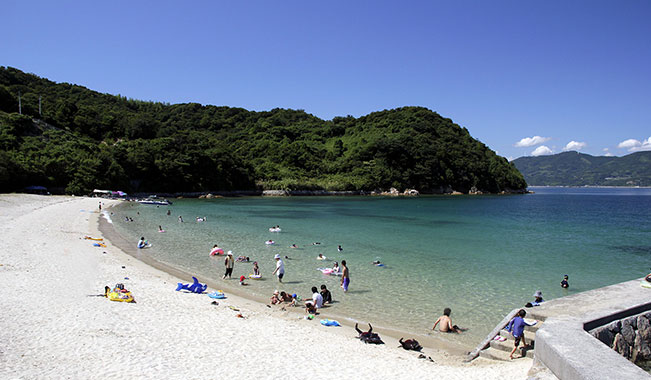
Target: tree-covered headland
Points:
(83, 140)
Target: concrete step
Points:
(493, 354)
(532, 313)
(529, 336)
(508, 345)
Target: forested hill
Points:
(84, 140)
(579, 169)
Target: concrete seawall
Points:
(564, 345)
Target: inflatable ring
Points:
(121, 297)
(218, 294)
(216, 251)
(270, 242)
(255, 276)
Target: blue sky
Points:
(524, 77)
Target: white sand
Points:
(51, 329)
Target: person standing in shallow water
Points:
(345, 276)
(228, 262)
(280, 268)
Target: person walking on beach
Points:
(228, 262)
(345, 276)
(280, 268)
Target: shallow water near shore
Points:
(479, 255)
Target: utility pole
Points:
(39, 106)
(20, 105)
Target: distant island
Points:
(72, 140)
(580, 169)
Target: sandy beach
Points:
(54, 326)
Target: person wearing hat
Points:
(280, 268)
(537, 299)
(228, 262)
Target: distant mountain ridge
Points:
(580, 169)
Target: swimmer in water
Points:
(564, 283)
(160, 229)
(339, 248)
(293, 246)
(376, 262)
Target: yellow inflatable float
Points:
(120, 294)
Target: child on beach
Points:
(564, 283)
(446, 323)
(325, 293)
(256, 270)
(242, 278)
(316, 303)
(143, 243)
(275, 298)
(516, 326)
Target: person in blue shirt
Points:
(516, 326)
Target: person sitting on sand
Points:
(285, 297)
(143, 243)
(446, 322)
(325, 293)
(294, 300)
(564, 283)
(275, 298)
(242, 278)
(316, 303)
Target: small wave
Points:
(107, 216)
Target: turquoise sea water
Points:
(479, 255)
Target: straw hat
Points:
(538, 293)
(277, 256)
(230, 253)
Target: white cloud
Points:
(635, 145)
(608, 154)
(541, 151)
(630, 143)
(574, 145)
(532, 141)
